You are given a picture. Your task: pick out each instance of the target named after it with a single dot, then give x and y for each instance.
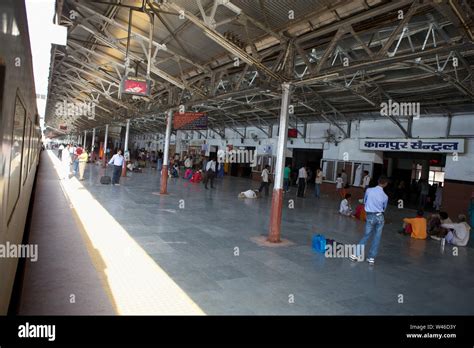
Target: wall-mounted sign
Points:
(414, 145)
(292, 133)
(190, 121)
(136, 86)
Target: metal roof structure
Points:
(228, 58)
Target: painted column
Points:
(164, 170)
(125, 147)
(105, 144)
(85, 139)
(277, 196)
(93, 145)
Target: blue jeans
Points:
(373, 227)
(116, 174)
(160, 165)
(317, 190)
(76, 166)
(286, 184)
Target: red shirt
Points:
(78, 151)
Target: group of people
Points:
(74, 155)
(439, 226)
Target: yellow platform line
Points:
(139, 286)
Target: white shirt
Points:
(302, 173)
(460, 233)
(188, 163)
(211, 165)
(375, 200)
(265, 175)
(366, 181)
(345, 208)
(116, 160)
(72, 150)
(339, 183)
(249, 194)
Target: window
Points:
(26, 150)
(436, 175)
(16, 151)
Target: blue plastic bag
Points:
(319, 243)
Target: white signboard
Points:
(414, 145)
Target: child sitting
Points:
(345, 206)
(416, 227)
(360, 213)
(197, 177)
(188, 173)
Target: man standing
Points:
(344, 178)
(375, 204)
(286, 178)
(265, 182)
(318, 182)
(210, 173)
(366, 180)
(77, 152)
(302, 176)
(82, 159)
(117, 161)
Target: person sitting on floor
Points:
(249, 194)
(445, 218)
(434, 230)
(463, 220)
(188, 173)
(197, 176)
(458, 234)
(345, 206)
(175, 171)
(360, 213)
(416, 227)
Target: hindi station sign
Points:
(190, 121)
(414, 145)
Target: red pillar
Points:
(164, 180)
(274, 230)
(275, 216)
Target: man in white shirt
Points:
(458, 234)
(302, 176)
(117, 161)
(265, 182)
(366, 180)
(210, 173)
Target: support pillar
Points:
(105, 144)
(277, 195)
(85, 140)
(164, 170)
(93, 146)
(125, 148)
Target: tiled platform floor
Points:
(196, 243)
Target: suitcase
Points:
(105, 180)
